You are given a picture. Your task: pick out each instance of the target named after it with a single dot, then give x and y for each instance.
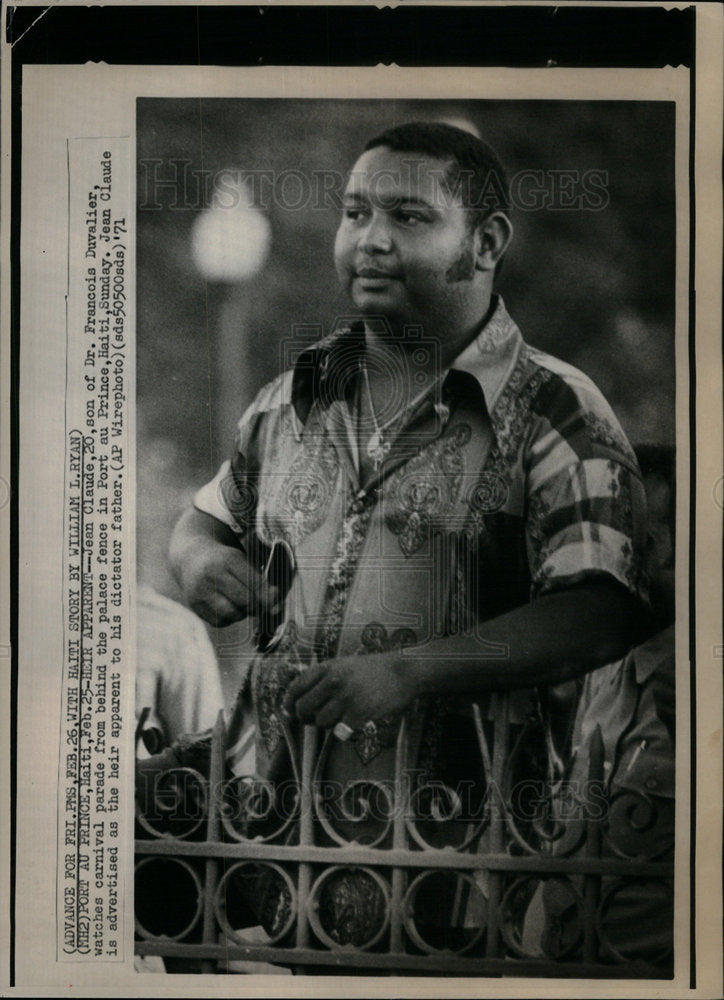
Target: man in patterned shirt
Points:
(422, 512)
(463, 512)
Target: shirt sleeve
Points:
(586, 506)
(231, 496)
(210, 498)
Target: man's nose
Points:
(375, 236)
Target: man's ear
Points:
(492, 239)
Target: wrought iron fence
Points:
(234, 870)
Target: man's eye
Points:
(353, 213)
(409, 218)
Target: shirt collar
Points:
(491, 357)
(326, 370)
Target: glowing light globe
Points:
(230, 240)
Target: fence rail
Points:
(224, 876)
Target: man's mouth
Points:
(375, 274)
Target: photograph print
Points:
(406, 511)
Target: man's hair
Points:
(475, 170)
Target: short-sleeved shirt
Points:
(625, 721)
(177, 676)
(512, 479)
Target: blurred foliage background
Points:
(594, 287)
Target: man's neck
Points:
(410, 360)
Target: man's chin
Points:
(374, 304)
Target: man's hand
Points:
(223, 587)
(351, 689)
(219, 582)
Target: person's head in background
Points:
(657, 464)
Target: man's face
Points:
(405, 249)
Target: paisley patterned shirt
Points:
(516, 480)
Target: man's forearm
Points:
(556, 637)
(559, 636)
